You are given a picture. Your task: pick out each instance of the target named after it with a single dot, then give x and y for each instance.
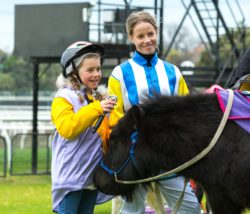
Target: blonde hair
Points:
(137, 17)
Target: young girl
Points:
(146, 75)
(76, 149)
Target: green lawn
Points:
(22, 154)
(31, 194)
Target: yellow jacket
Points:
(71, 124)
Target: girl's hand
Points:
(107, 105)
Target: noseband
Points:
(115, 172)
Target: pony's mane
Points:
(169, 114)
(163, 104)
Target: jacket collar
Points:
(138, 58)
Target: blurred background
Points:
(204, 38)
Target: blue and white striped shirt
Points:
(138, 79)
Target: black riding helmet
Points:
(76, 50)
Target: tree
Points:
(225, 48)
(16, 74)
(6, 82)
(184, 41)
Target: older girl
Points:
(142, 75)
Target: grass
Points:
(22, 154)
(31, 194)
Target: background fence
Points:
(3, 157)
(21, 154)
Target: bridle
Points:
(131, 156)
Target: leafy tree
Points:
(16, 74)
(6, 82)
(48, 75)
(225, 49)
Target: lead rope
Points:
(180, 199)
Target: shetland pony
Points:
(169, 132)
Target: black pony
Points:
(164, 133)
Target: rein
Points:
(133, 138)
(196, 158)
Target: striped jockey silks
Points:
(138, 79)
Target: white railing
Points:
(18, 119)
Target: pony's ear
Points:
(136, 113)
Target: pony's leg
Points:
(223, 205)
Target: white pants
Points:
(171, 189)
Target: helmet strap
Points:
(76, 72)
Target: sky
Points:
(174, 11)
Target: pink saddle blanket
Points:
(240, 111)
